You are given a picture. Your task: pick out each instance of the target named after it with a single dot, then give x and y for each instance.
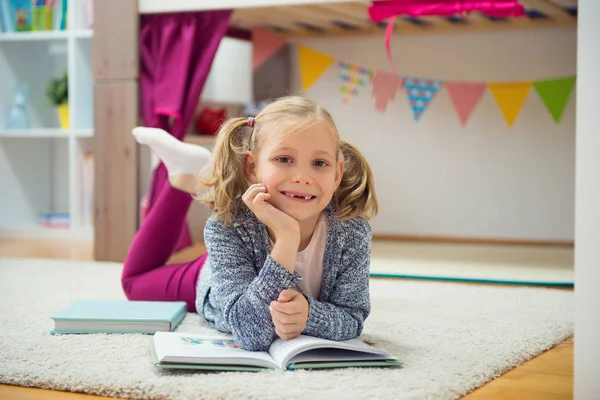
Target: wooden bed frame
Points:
(116, 68)
(306, 18)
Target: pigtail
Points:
(225, 181)
(355, 196)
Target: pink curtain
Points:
(177, 51)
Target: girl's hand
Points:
(256, 198)
(289, 314)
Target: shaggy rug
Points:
(452, 338)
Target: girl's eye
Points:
(320, 163)
(284, 159)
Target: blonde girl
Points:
(288, 242)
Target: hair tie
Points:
(251, 122)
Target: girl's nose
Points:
(302, 177)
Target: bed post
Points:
(115, 54)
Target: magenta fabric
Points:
(145, 275)
(382, 9)
(177, 51)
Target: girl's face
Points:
(299, 169)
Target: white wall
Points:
(437, 178)
(587, 233)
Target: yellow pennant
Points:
(510, 97)
(312, 65)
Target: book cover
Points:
(188, 351)
(89, 316)
(20, 15)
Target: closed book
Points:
(107, 316)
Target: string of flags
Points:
(420, 92)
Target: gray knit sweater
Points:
(240, 279)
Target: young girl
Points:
(288, 242)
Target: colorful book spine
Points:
(55, 220)
(63, 18)
(21, 14)
(33, 15)
(42, 15)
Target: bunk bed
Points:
(118, 62)
(307, 18)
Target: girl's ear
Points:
(250, 167)
(339, 173)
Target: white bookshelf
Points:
(41, 168)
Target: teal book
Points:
(106, 316)
(176, 350)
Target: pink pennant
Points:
(385, 87)
(264, 44)
(465, 96)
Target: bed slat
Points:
(351, 18)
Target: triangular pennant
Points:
(385, 87)
(555, 94)
(420, 93)
(353, 78)
(264, 44)
(510, 97)
(465, 96)
(312, 65)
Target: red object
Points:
(209, 120)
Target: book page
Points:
(324, 355)
(284, 350)
(176, 347)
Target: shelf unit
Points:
(42, 169)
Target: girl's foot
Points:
(183, 161)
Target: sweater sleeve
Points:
(243, 295)
(343, 316)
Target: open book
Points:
(181, 350)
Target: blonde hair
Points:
(225, 181)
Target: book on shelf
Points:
(33, 15)
(119, 316)
(55, 220)
(177, 350)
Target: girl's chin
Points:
(299, 215)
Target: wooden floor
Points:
(546, 377)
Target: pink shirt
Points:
(309, 262)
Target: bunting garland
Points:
(353, 78)
(385, 87)
(420, 93)
(465, 96)
(555, 94)
(312, 65)
(266, 43)
(509, 96)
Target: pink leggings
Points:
(145, 275)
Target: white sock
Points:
(179, 158)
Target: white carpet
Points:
(452, 337)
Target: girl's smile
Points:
(298, 196)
